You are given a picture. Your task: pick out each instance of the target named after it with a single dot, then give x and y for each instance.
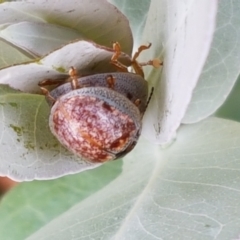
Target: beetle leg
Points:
(48, 82)
(117, 49)
(155, 63)
(73, 78)
(135, 64)
(114, 60)
(140, 49)
(111, 81)
(48, 95)
(138, 66)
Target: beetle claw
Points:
(135, 64)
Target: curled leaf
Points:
(38, 38)
(24, 117)
(28, 149)
(98, 21)
(181, 35)
(86, 57)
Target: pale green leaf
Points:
(98, 21)
(136, 11)
(181, 33)
(25, 77)
(38, 38)
(189, 191)
(24, 117)
(230, 108)
(10, 55)
(28, 150)
(32, 205)
(86, 57)
(222, 67)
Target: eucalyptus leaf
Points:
(28, 150)
(98, 21)
(25, 77)
(230, 108)
(136, 12)
(38, 38)
(222, 68)
(49, 199)
(189, 191)
(86, 57)
(181, 33)
(10, 55)
(24, 117)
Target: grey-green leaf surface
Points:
(171, 28)
(222, 67)
(24, 117)
(25, 77)
(189, 191)
(10, 55)
(28, 149)
(107, 25)
(230, 108)
(86, 57)
(32, 205)
(38, 38)
(136, 12)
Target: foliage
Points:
(181, 183)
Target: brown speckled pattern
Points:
(91, 128)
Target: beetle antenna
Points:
(149, 98)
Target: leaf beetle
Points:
(99, 117)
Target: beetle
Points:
(99, 117)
